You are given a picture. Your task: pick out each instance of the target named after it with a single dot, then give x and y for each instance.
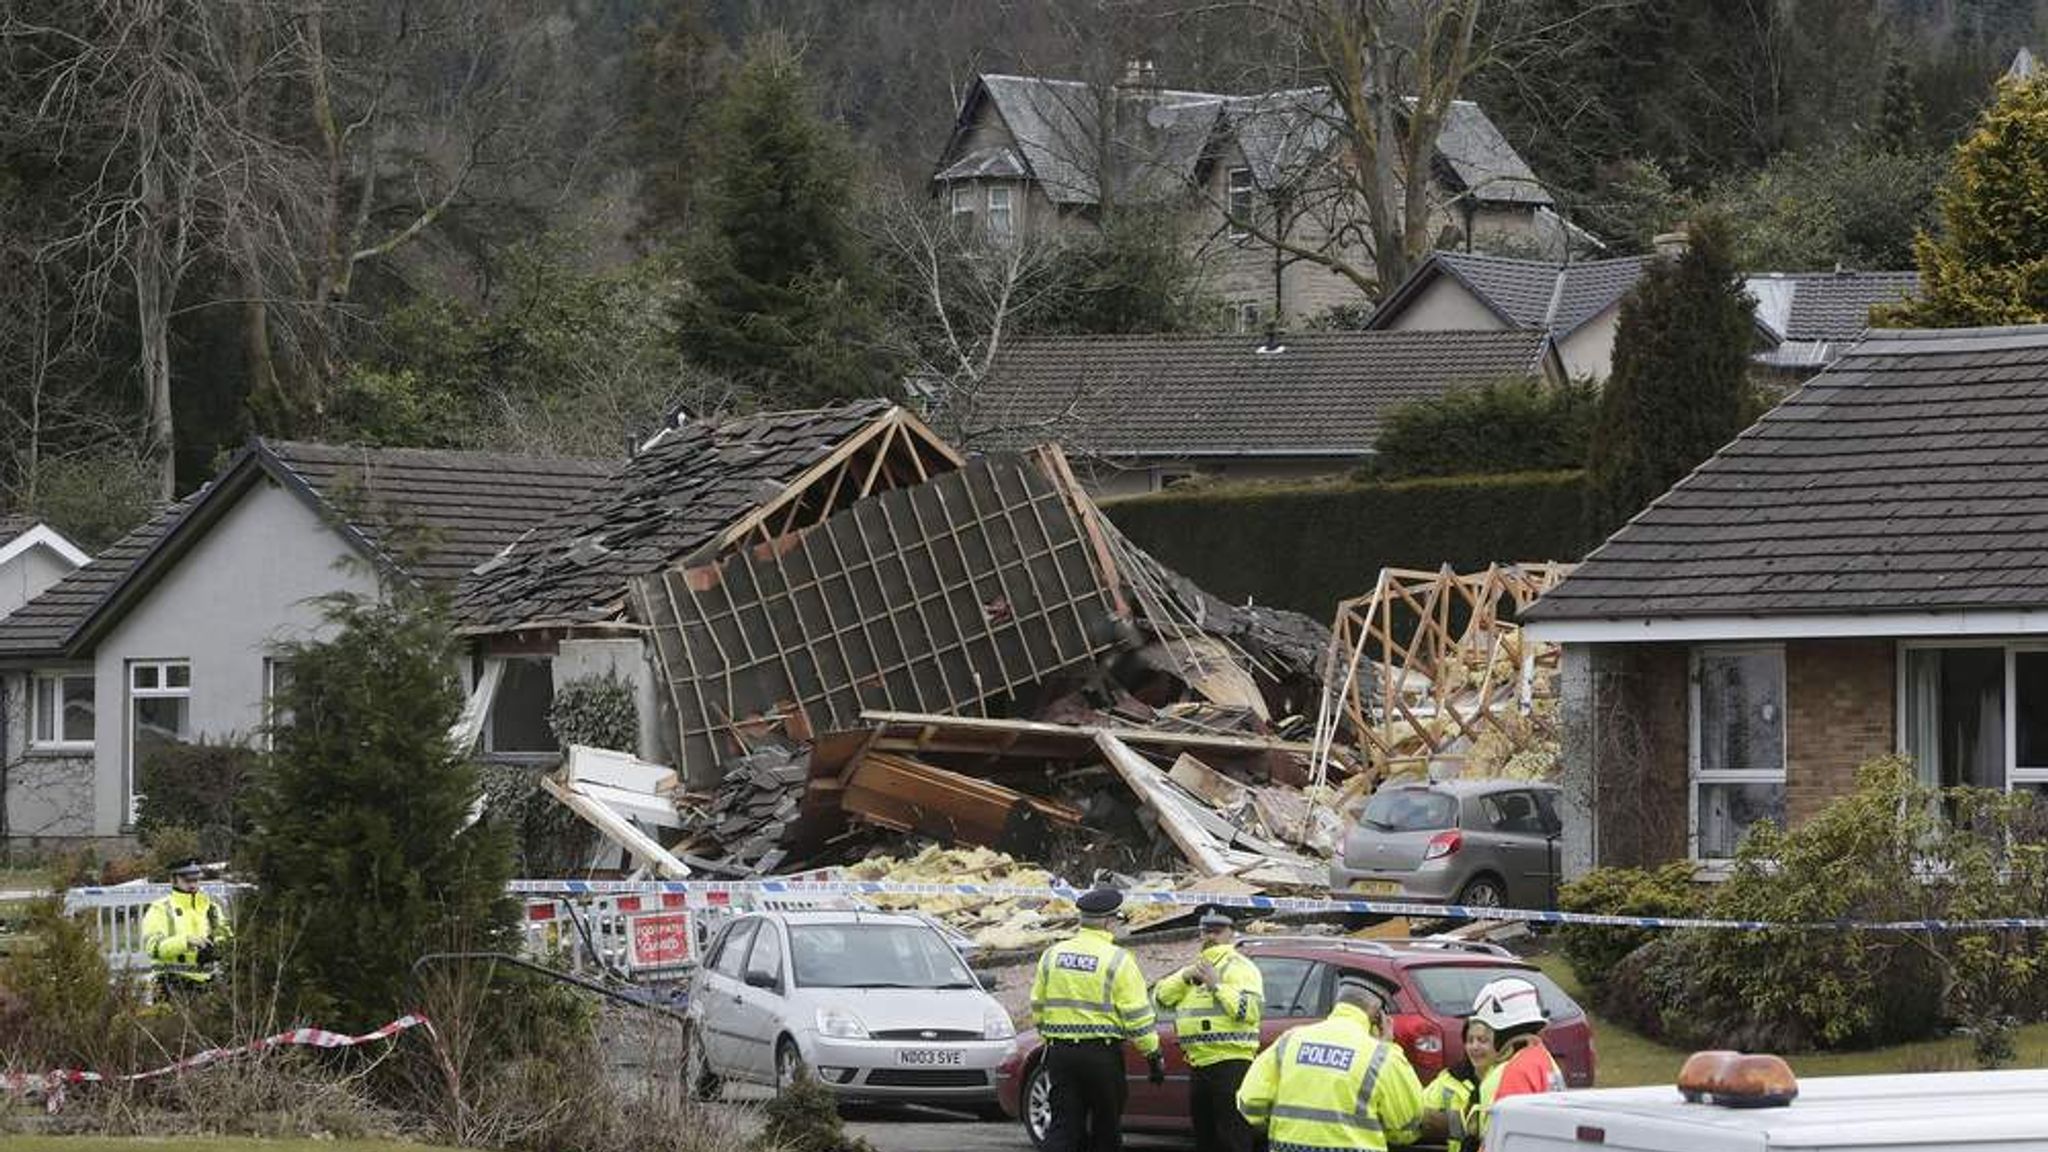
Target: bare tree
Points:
(969, 293)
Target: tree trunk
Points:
(153, 333)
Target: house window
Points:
(62, 711)
(1976, 716)
(963, 200)
(159, 714)
(1738, 745)
(1241, 202)
(519, 712)
(999, 222)
(1249, 317)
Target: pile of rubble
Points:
(980, 661)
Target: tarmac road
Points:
(908, 1128)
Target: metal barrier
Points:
(117, 917)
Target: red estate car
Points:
(1428, 984)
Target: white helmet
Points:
(1507, 1003)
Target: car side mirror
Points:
(756, 978)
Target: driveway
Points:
(907, 1128)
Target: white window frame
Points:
(491, 751)
(963, 200)
(271, 664)
(1250, 317)
(1250, 192)
(35, 711)
(130, 694)
(1695, 775)
(1006, 212)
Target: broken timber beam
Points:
(924, 729)
(618, 829)
(1180, 825)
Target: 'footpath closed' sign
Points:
(661, 941)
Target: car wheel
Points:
(702, 1082)
(1483, 892)
(1037, 1105)
(789, 1064)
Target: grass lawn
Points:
(199, 1144)
(1628, 1059)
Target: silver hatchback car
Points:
(876, 1005)
(1487, 843)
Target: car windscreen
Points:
(874, 956)
(1410, 810)
(1450, 988)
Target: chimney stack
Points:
(1673, 244)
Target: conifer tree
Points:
(782, 296)
(363, 857)
(1989, 265)
(1676, 395)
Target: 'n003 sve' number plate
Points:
(931, 1057)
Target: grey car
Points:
(1489, 843)
(876, 1005)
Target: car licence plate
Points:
(1376, 887)
(931, 1057)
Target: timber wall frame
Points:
(933, 597)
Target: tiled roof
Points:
(671, 499)
(1322, 393)
(1826, 305)
(1160, 135)
(42, 626)
(1541, 294)
(1910, 475)
(436, 514)
(440, 513)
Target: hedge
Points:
(1307, 546)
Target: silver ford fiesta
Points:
(875, 1005)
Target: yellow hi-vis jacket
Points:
(1333, 1086)
(172, 927)
(1087, 988)
(1451, 1095)
(1220, 1023)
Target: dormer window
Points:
(963, 201)
(999, 219)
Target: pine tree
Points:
(361, 857)
(782, 298)
(1681, 361)
(1898, 109)
(1989, 266)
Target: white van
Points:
(1981, 1111)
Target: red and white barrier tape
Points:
(54, 1081)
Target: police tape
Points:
(53, 1082)
(715, 894)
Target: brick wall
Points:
(1840, 700)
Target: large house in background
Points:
(1141, 413)
(1031, 156)
(1863, 572)
(1804, 320)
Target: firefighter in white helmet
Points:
(1509, 1013)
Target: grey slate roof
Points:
(42, 626)
(1912, 475)
(1814, 315)
(432, 513)
(1539, 294)
(1158, 136)
(440, 512)
(671, 499)
(1322, 394)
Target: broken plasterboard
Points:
(611, 810)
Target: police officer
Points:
(1334, 1085)
(1088, 998)
(181, 932)
(1217, 1002)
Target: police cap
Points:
(1099, 902)
(1215, 918)
(187, 866)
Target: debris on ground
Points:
(978, 659)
